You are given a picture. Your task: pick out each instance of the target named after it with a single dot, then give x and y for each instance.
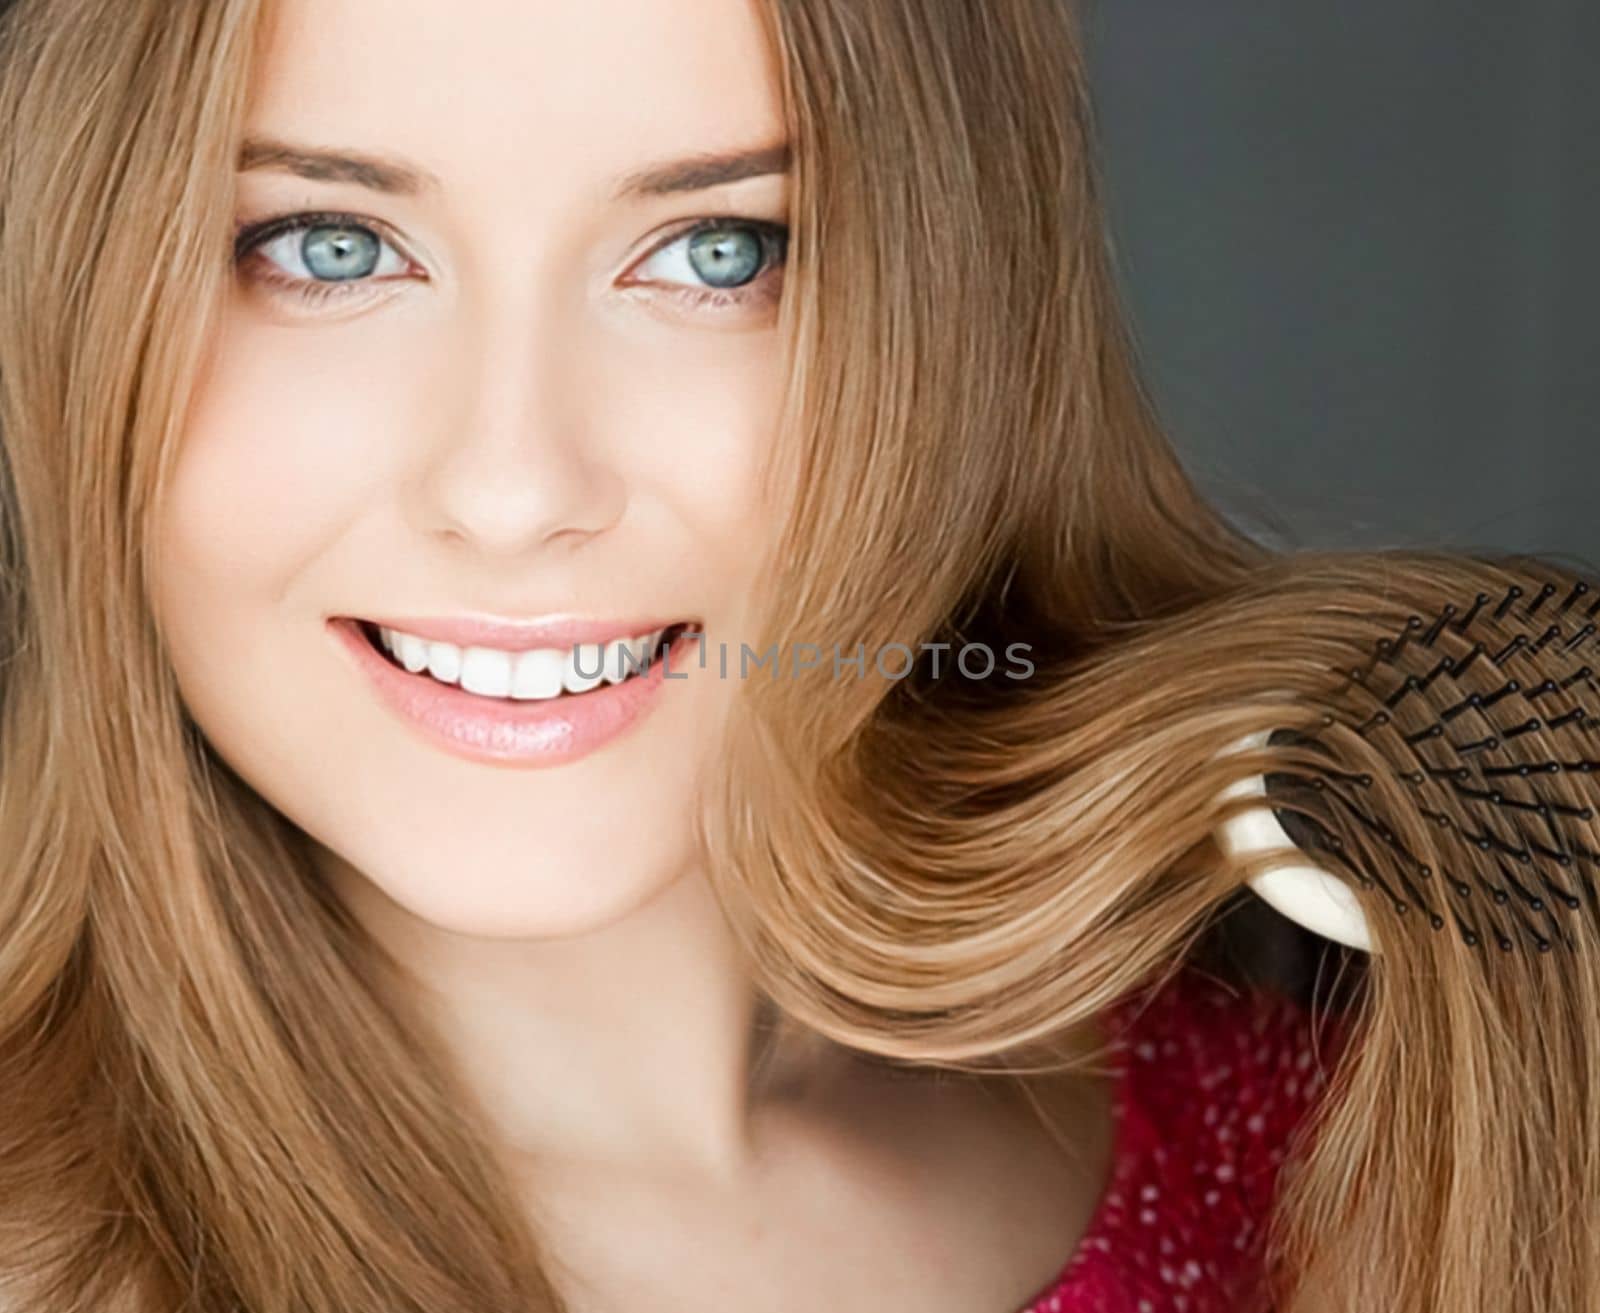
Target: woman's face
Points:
(481, 368)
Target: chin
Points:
(540, 899)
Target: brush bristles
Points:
(1484, 713)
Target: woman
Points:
(474, 840)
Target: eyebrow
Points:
(697, 172)
(334, 166)
(689, 174)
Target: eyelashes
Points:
(252, 242)
(261, 251)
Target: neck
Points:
(641, 1045)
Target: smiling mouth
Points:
(627, 670)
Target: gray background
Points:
(1357, 245)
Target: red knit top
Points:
(1210, 1084)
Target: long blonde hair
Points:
(207, 1091)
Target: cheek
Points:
(282, 450)
(274, 459)
(699, 424)
(270, 467)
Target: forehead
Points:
(509, 91)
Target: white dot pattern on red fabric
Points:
(1211, 1085)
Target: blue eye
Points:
(337, 254)
(315, 258)
(727, 255)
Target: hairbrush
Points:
(1450, 773)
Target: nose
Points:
(514, 468)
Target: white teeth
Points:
(412, 651)
(531, 675)
(582, 658)
(627, 656)
(537, 674)
(444, 662)
(486, 671)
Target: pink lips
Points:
(504, 732)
